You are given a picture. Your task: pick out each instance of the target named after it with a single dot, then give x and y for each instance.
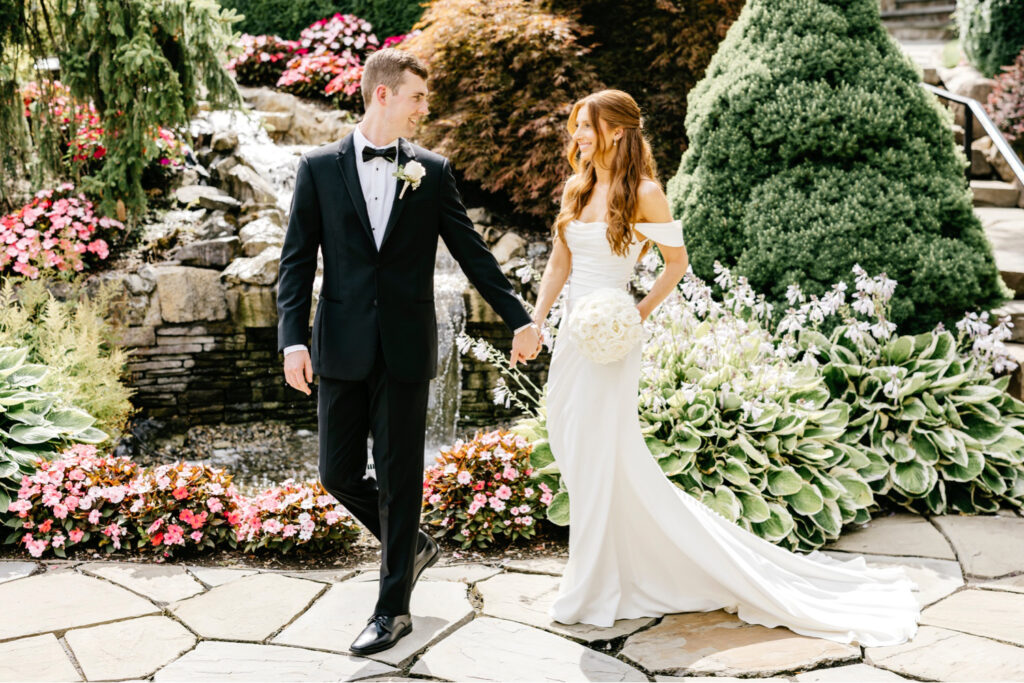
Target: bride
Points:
(638, 545)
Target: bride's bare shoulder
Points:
(652, 204)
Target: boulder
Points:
(206, 197)
(257, 270)
(219, 166)
(260, 234)
(216, 225)
(274, 214)
(188, 294)
(508, 247)
(247, 185)
(224, 141)
(252, 306)
(215, 253)
(291, 120)
(967, 81)
(980, 165)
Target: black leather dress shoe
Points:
(381, 632)
(426, 557)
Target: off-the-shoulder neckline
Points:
(577, 220)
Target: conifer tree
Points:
(813, 148)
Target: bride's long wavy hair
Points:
(631, 163)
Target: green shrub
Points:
(72, 339)
(991, 32)
(655, 51)
(813, 148)
(286, 18)
(503, 75)
(33, 423)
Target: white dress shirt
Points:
(379, 184)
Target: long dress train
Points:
(640, 546)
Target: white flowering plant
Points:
(928, 406)
(482, 490)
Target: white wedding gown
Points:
(639, 546)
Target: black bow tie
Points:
(371, 153)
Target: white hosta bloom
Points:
(605, 325)
(883, 329)
(863, 303)
(793, 294)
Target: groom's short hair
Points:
(387, 67)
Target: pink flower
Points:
(60, 511)
(434, 499)
(510, 473)
(496, 504)
(546, 498)
(480, 498)
(528, 492)
(503, 492)
(173, 535)
(474, 507)
(154, 527)
(215, 505)
(94, 517)
(196, 536)
(76, 535)
(464, 477)
(180, 493)
(57, 540)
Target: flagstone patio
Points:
(130, 621)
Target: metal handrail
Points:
(973, 108)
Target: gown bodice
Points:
(596, 266)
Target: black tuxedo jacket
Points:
(370, 295)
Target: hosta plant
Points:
(295, 515)
(482, 490)
(951, 437)
(34, 424)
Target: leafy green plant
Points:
(33, 423)
(991, 32)
(812, 148)
(73, 339)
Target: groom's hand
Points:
(525, 346)
(298, 370)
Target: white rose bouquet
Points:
(605, 325)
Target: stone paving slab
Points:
(38, 658)
(935, 579)
(62, 600)
(938, 654)
(163, 583)
(216, 576)
(489, 649)
(466, 573)
(720, 644)
(219, 661)
(901, 534)
(1010, 583)
(15, 570)
(526, 598)
(322, 575)
(851, 673)
(555, 566)
(719, 679)
(251, 608)
(990, 614)
(988, 546)
(128, 649)
(336, 618)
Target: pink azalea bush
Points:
(263, 59)
(482, 490)
(85, 499)
(292, 515)
(340, 33)
(57, 231)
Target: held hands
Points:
(525, 345)
(298, 370)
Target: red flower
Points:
(180, 493)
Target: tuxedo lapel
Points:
(347, 163)
(405, 154)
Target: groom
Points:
(374, 334)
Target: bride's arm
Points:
(654, 208)
(556, 272)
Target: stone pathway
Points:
(127, 621)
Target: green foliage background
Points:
(287, 18)
(991, 32)
(813, 148)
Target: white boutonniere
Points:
(412, 173)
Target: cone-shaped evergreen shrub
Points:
(813, 148)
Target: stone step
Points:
(1014, 309)
(915, 33)
(994, 193)
(923, 4)
(930, 13)
(1004, 229)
